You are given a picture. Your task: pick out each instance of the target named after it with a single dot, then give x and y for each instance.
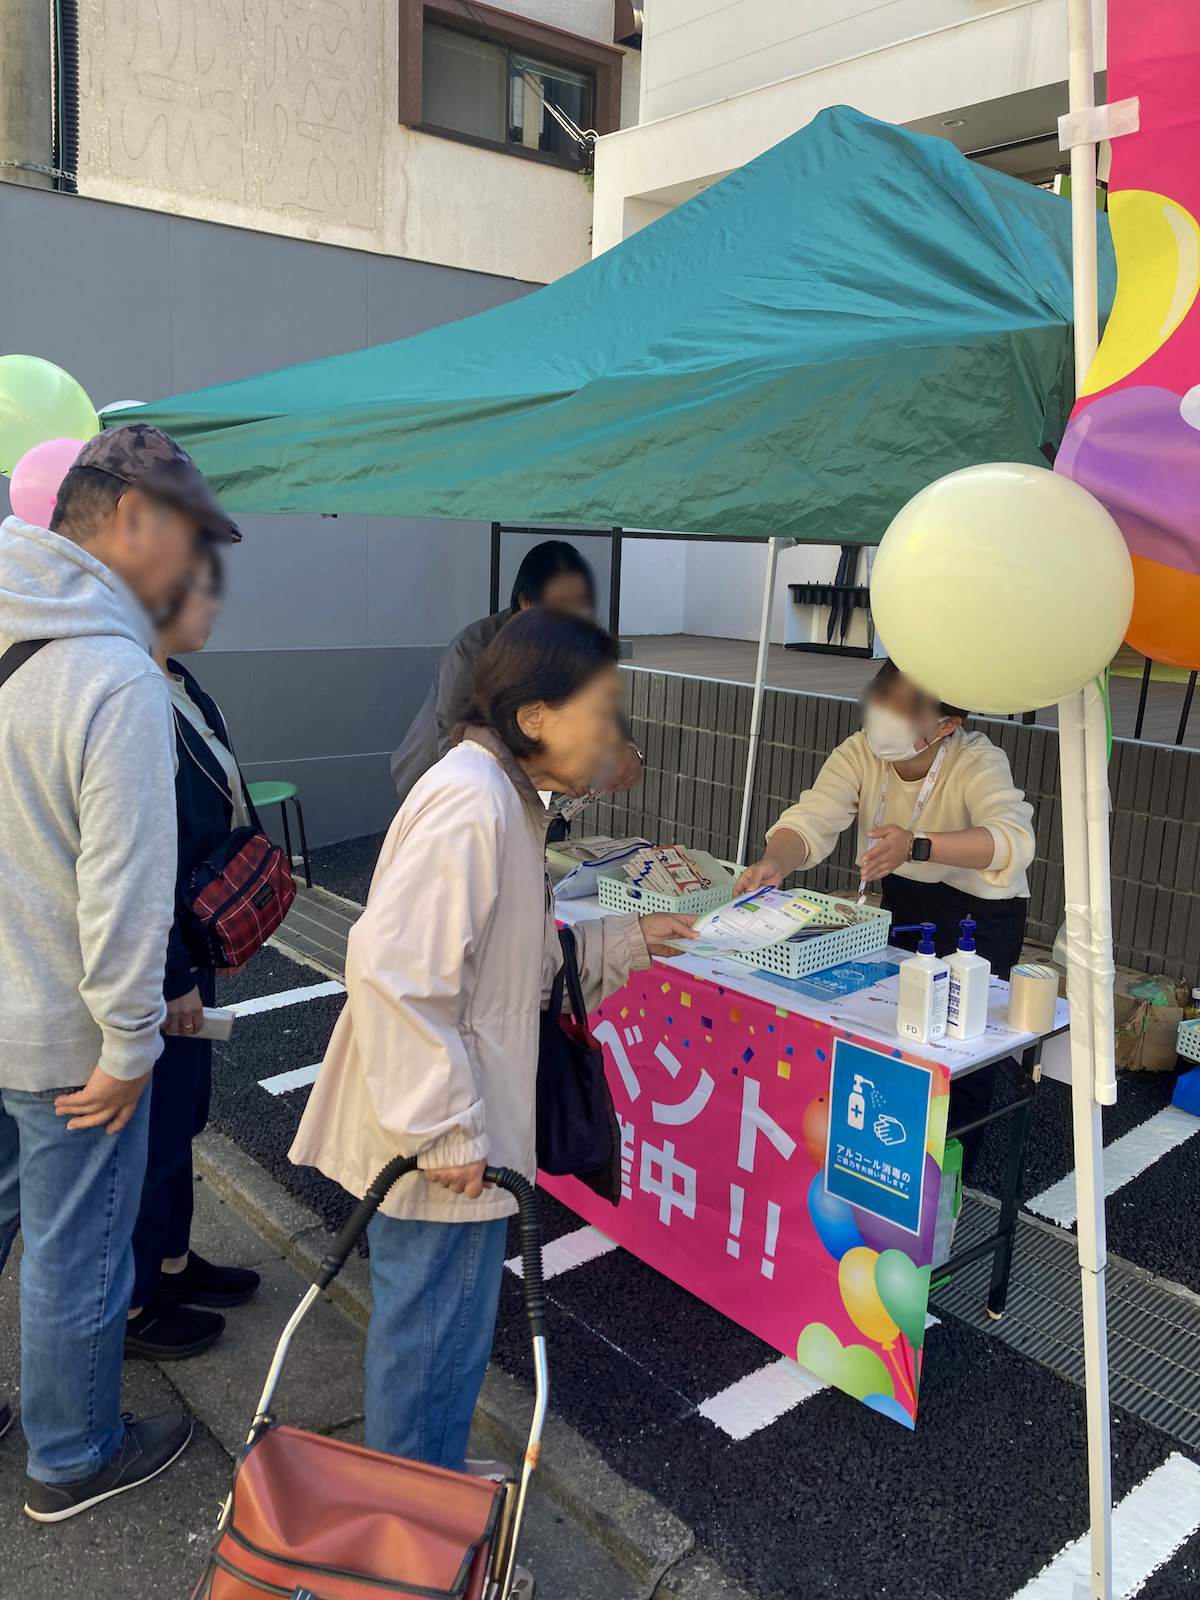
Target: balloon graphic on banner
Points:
(903, 1290)
(856, 1280)
(888, 1406)
(1137, 452)
(1157, 246)
(939, 1115)
(1030, 577)
(882, 1235)
(833, 1219)
(37, 476)
(852, 1367)
(815, 1129)
(119, 405)
(39, 401)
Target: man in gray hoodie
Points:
(87, 891)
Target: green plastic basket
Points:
(864, 938)
(618, 894)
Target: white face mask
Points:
(891, 736)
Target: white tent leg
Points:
(760, 676)
(1083, 759)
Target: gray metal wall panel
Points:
(331, 625)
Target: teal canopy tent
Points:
(795, 352)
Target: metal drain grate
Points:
(1153, 1333)
(316, 929)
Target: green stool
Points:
(278, 794)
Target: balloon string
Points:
(915, 1360)
(900, 1367)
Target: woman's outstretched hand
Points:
(764, 874)
(660, 926)
(466, 1181)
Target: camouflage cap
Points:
(147, 458)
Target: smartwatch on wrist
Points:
(920, 848)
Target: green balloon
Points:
(853, 1367)
(39, 401)
(935, 1138)
(904, 1291)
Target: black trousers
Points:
(999, 934)
(179, 1096)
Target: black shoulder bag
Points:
(577, 1131)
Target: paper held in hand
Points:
(766, 917)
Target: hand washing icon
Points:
(889, 1130)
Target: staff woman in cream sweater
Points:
(942, 830)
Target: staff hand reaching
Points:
(764, 874)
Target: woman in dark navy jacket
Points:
(171, 1281)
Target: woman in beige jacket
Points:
(435, 1054)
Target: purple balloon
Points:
(882, 1235)
(1136, 454)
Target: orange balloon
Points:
(815, 1129)
(1166, 614)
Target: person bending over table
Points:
(942, 830)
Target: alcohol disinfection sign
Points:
(878, 1125)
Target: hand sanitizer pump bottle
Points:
(924, 990)
(970, 975)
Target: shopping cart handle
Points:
(531, 1242)
(504, 1178)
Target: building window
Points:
(490, 91)
(472, 72)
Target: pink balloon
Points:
(37, 476)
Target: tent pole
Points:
(760, 678)
(494, 572)
(1083, 757)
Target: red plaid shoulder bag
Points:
(231, 904)
(238, 897)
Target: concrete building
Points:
(724, 80)
(192, 192)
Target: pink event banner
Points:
(723, 1102)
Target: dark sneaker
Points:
(202, 1284)
(164, 1332)
(147, 1449)
(7, 1416)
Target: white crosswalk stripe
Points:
(761, 1398)
(1124, 1159)
(296, 1079)
(571, 1250)
(285, 997)
(1148, 1527)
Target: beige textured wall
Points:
(281, 115)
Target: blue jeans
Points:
(435, 1290)
(74, 1197)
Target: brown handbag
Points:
(311, 1518)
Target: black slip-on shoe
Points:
(148, 1448)
(202, 1284)
(7, 1417)
(165, 1332)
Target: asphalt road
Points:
(828, 1497)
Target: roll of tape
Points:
(1032, 993)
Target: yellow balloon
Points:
(39, 401)
(856, 1280)
(1002, 588)
(1157, 245)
